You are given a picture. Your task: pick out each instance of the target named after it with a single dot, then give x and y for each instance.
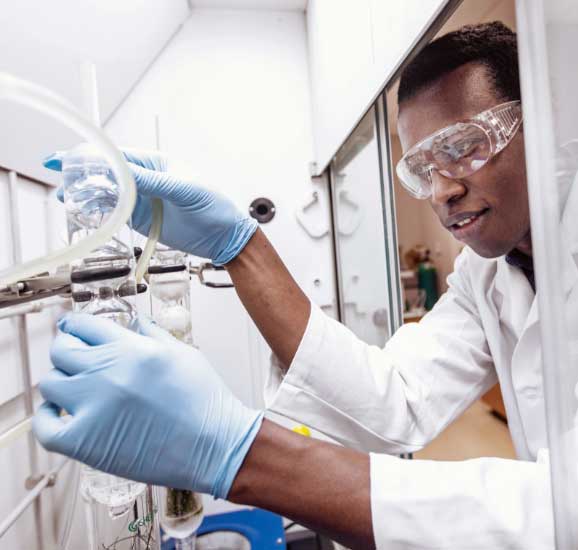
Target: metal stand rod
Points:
(16, 431)
(47, 480)
(25, 355)
(25, 309)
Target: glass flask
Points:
(181, 511)
(181, 514)
(120, 514)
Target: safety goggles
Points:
(459, 150)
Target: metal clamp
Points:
(35, 288)
(199, 271)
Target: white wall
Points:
(232, 93)
(354, 47)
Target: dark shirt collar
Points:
(525, 263)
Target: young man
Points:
(459, 124)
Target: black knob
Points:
(262, 209)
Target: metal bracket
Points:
(344, 198)
(33, 481)
(200, 269)
(301, 215)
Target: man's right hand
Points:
(196, 220)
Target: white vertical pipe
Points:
(47, 480)
(13, 433)
(90, 92)
(25, 353)
(158, 136)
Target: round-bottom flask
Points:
(116, 493)
(181, 512)
(116, 310)
(120, 514)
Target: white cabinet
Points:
(46, 42)
(354, 47)
(340, 64)
(395, 27)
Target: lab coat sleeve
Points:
(390, 400)
(475, 504)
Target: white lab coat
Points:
(397, 399)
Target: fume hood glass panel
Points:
(548, 34)
(561, 39)
(360, 236)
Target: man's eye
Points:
(458, 149)
(468, 148)
(418, 164)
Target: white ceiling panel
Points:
(46, 42)
(282, 5)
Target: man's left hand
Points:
(142, 406)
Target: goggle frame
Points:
(499, 123)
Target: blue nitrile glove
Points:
(196, 220)
(142, 406)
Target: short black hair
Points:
(490, 44)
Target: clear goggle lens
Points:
(459, 150)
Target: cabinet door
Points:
(341, 65)
(395, 26)
(355, 47)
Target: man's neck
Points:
(525, 246)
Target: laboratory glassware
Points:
(120, 514)
(181, 511)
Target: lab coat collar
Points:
(517, 302)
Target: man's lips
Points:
(468, 226)
(463, 219)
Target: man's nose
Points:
(445, 190)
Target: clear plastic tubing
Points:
(43, 100)
(153, 238)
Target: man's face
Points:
(496, 196)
